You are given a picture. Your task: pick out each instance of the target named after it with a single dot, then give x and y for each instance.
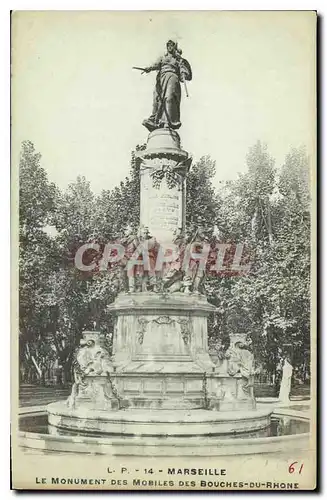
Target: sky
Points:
(77, 98)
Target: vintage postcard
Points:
(163, 250)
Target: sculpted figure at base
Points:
(196, 271)
(150, 278)
(241, 360)
(90, 360)
(172, 274)
(172, 69)
(185, 274)
(138, 277)
(130, 243)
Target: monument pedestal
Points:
(161, 359)
(160, 349)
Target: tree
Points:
(38, 255)
(294, 235)
(201, 199)
(270, 215)
(78, 300)
(112, 215)
(266, 209)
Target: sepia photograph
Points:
(163, 218)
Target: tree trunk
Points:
(38, 369)
(269, 225)
(66, 375)
(43, 377)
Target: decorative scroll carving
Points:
(164, 320)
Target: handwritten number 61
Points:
(292, 469)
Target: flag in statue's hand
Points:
(140, 69)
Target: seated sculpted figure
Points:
(241, 360)
(90, 359)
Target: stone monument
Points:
(161, 378)
(285, 386)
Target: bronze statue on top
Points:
(172, 69)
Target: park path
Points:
(36, 395)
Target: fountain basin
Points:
(157, 422)
(285, 433)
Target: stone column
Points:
(163, 188)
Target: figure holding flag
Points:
(172, 69)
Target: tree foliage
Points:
(266, 208)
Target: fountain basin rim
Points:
(157, 416)
(181, 441)
(147, 422)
